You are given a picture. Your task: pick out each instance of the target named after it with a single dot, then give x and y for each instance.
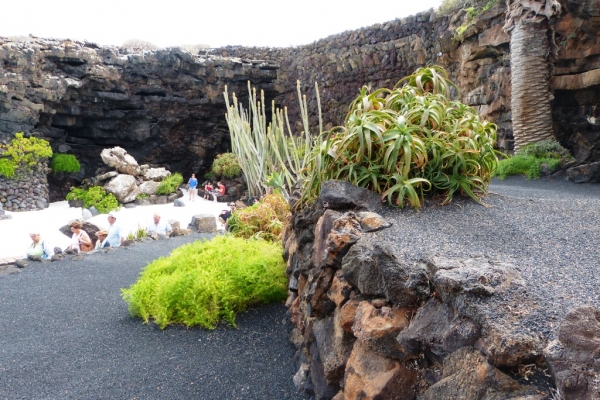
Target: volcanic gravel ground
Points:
(65, 333)
(549, 229)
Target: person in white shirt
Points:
(160, 227)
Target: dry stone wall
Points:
(26, 192)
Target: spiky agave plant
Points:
(408, 142)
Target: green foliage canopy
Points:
(95, 196)
(203, 282)
(22, 153)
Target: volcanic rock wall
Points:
(164, 107)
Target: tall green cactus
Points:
(266, 151)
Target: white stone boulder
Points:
(123, 187)
(149, 187)
(156, 174)
(119, 159)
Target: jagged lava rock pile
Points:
(373, 319)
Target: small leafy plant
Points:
(139, 233)
(201, 283)
(142, 196)
(95, 196)
(265, 220)
(170, 184)
(64, 163)
(226, 165)
(531, 159)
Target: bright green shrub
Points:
(203, 282)
(406, 143)
(528, 166)
(226, 165)
(22, 153)
(64, 163)
(531, 158)
(264, 220)
(95, 196)
(7, 168)
(170, 184)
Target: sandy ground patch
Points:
(14, 232)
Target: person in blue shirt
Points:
(115, 237)
(193, 182)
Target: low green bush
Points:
(22, 154)
(227, 165)
(201, 283)
(7, 168)
(170, 184)
(265, 220)
(64, 163)
(528, 166)
(531, 158)
(95, 196)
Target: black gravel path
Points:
(65, 333)
(549, 229)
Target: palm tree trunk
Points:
(527, 20)
(530, 80)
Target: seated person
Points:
(38, 249)
(102, 241)
(220, 191)
(80, 241)
(160, 227)
(226, 214)
(208, 188)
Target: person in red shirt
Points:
(221, 188)
(208, 188)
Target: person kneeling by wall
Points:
(38, 249)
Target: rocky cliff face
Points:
(164, 107)
(576, 80)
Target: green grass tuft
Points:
(531, 158)
(201, 283)
(64, 163)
